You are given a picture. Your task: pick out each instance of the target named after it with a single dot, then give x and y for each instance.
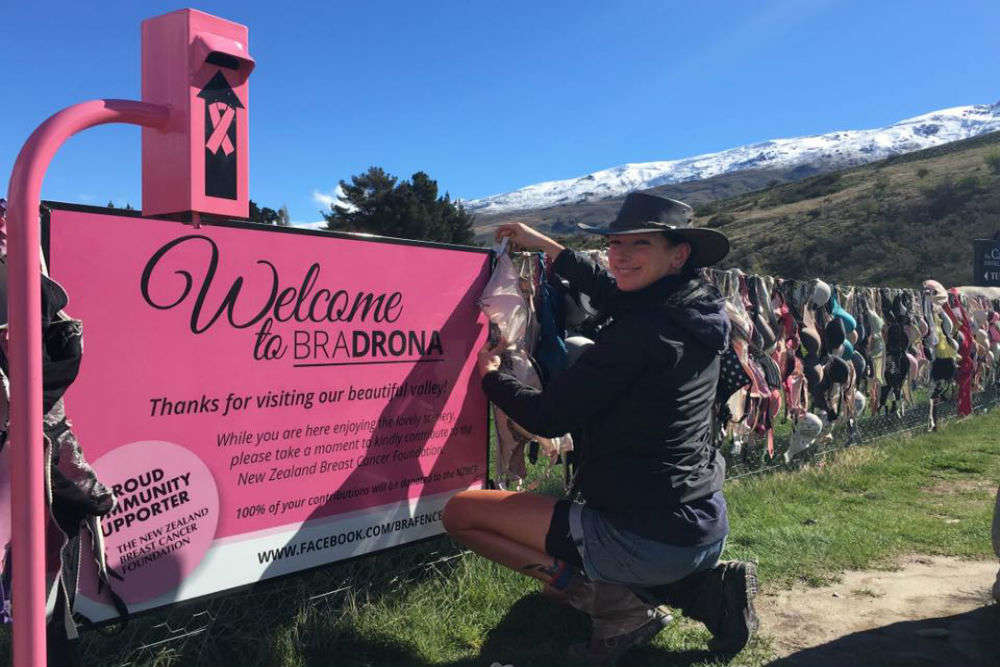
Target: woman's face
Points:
(639, 260)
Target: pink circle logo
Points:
(166, 510)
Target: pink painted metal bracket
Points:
(24, 298)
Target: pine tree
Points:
(284, 220)
(376, 202)
(264, 216)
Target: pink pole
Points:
(24, 307)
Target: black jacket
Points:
(639, 401)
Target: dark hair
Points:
(687, 268)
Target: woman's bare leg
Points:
(507, 527)
(510, 528)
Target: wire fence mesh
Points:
(754, 458)
(242, 627)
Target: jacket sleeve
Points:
(587, 276)
(578, 394)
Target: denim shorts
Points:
(621, 557)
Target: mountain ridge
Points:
(822, 152)
(894, 222)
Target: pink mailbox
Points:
(198, 65)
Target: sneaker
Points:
(738, 620)
(609, 650)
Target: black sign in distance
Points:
(986, 262)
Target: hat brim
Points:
(708, 246)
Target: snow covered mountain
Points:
(833, 150)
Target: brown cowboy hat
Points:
(642, 213)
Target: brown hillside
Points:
(894, 222)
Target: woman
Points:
(638, 405)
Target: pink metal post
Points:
(194, 115)
(24, 298)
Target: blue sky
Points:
(487, 97)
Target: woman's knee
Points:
(477, 509)
(522, 517)
(455, 516)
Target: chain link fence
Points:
(249, 625)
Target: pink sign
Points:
(164, 519)
(319, 393)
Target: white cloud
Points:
(310, 225)
(327, 199)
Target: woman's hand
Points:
(530, 239)
(489, 357)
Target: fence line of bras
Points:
(818, 355)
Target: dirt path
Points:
(933, 611)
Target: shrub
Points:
(969, 185)
(923, 171)
(880, 186)
(947, 195)
(704, 210)
(993, 162)
(720, 219)
(817, 186)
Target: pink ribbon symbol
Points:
(222, 116)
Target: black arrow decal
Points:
(221, 151)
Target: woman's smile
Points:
(639, 260)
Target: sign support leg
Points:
(24, 298)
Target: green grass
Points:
(871, 504)
(861, 508)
